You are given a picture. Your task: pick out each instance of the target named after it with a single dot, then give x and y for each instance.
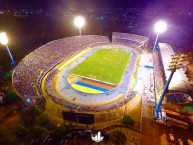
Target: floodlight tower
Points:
(176, 63)
(4, 41)
(160, 27)
(79, 22)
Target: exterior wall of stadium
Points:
(49, 79)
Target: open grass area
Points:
(106, 65)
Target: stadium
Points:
(83, 73)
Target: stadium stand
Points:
(29, 72)
(160, 79)
(174, 97)
(135, 41)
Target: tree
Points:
(43, 120)
(59, 132)
(36, 111)
(127, 120)
(6, 138)
(11, 98)
(118, 138)
(20, 130)
(38, 131)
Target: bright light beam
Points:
(4, 41)
(79, 22)
(160, 27)
(3, 38)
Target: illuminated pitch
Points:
(102, 71)
(104, 65)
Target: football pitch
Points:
(106, 65)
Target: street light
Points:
(4, 41)
(79, 22)
(160, 27)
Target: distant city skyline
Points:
(160, 4)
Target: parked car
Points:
(171, 137)
(180, 142)
(190, 142)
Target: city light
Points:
(160, 27)
(28, 100)
(79, 22)
(3, 38)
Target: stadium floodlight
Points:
(160, 27)
(79, 22)
(4, 41)
(3, 38)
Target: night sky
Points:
(161, 4)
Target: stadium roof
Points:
(179, 81)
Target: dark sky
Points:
(163, 4)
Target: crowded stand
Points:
(133, 37)
(133, 40)
(28, 75)
(29, 72)
(130, 43)
(160, 78)
(174, 97)
(72, 106)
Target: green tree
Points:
(11, 98)
(36, 111)
(118, 138)
(6, 138)
(59, 132)
(127, 120)
(38, 131)
(43, 120)
(20, 130)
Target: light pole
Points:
(4, 41)
(176, 63)
(79, 22)
(160, 27)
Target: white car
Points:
(171, 137)
(189, 142)
(180, 142)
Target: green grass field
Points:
(105, 65)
